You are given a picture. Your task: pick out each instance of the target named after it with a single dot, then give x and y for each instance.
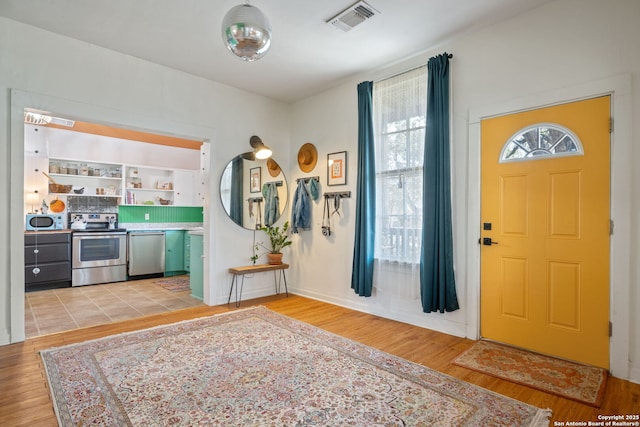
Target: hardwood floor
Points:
(24, 393)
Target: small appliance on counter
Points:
(44, 222)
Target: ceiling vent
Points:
(62, 122)
(44, 119)
(352, 16)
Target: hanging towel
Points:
(301, 212)
(271, 203)
(314, 188)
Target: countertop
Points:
(66, 230)
(193, 228)
(160, 226)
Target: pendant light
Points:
(246, 32)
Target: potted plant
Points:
(279, 238)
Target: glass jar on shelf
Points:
(84, 169)
(72, 169)
(54, 167)
(115, 172)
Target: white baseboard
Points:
(418, 319)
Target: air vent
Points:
(352, 16)
(44, 119)
(62, 122)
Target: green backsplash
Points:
(159, 213)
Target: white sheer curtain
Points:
(399, 114)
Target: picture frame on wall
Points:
(337, 168)
(255, 178)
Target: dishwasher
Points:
(145, 253)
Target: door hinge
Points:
(610, 124)
(610, 329)
(611, 225)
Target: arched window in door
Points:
(542, 140)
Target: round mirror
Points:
(253, 192)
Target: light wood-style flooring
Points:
(24, 393)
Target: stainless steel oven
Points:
(98, 252)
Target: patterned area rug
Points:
(574, 381)
(175, 284)
(254, 367)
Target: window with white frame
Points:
(399, 116)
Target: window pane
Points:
(394, 152)
(416, 148)
(399, 121)
(542, 140)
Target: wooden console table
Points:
(250, 269)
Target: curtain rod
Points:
(449, 55)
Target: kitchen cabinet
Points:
(196, 276)
(188, 188)
(47, 259)
(187, 252)
(174, 252)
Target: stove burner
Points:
(94, 222)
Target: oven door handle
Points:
(98, 235)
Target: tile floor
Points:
(64, 309)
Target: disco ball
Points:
(246, 32)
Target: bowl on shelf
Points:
(59, 188)
(164, 201)
(78, 190)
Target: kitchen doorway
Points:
(22, 101)
(64, 308)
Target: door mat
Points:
(255, 367)
(175, 284)
(583, 383)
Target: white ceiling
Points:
(307, 55)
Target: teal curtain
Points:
(236, 208)
(362, 272)
(437, 282)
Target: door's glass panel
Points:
(542, 140)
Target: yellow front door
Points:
(545, 230)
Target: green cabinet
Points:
(196, 276)
(174, 252)
(187, 251)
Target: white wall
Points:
(535, 56)
(557, 46)
(58, 74)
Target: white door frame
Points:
(619, 87)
